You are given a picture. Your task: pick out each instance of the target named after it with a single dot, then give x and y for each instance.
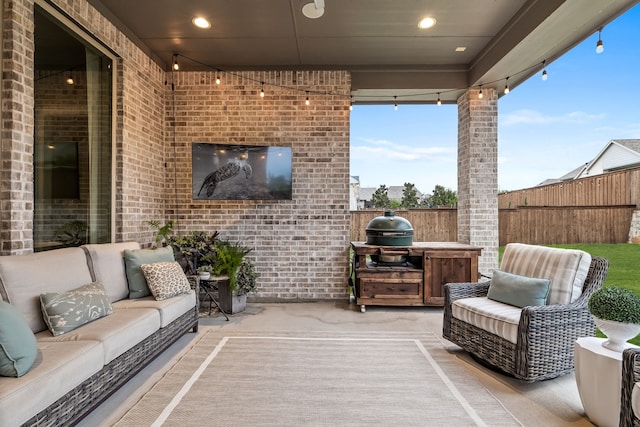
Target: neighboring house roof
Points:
(616, 154)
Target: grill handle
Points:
(394, 252)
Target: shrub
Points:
(618, 304)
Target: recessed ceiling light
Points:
(461, 48)
(201, 22)
(427, 22)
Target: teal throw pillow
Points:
(18, 347)
(66, 311)
(134, 258)
(518, 290)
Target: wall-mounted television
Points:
(240, 172)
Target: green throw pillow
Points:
(134, 258)
(518, 290)
(66, 311)
(18, 347)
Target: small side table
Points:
(598, 376)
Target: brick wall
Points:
(478, 174)
(300, 245)
(16, 175)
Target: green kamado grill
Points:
(389, 230)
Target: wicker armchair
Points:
(630, 377)
(545, 334)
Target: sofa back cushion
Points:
(565, 268)
(106, 262)
(24, 277)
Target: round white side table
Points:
(598, 376)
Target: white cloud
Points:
(389, 150)
(526, 116)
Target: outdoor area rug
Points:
(317, 379)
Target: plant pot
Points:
(617, 333)
(205, 275)
(230, 303)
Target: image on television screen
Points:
(240, 172)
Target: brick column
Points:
(478, 174)
(16, 185)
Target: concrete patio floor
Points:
(548, 403)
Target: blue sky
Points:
(545, 128)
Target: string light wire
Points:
(377, 97)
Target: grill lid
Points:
(389, 225)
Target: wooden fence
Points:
(429, 225)
(526, 224)
(565, 225)
(611, 189)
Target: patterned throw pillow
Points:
(66, 311)
(165, 279)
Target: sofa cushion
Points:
(134, 259)
(165, 279)
(18, 348)
(118, 332)
(66, 311)
(566, 269)
(492, 316)
(518, 290)
(106, 262)
(24, 277)
(58, 368)
(170, 309)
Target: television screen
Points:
(240, 172)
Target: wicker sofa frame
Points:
(75, 405)
(630, 376)
(546, 334)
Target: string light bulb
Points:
(217, 80)
(351, 103)
(395, 103)
(306, 102)
(69, 79)
(480, 95)
(544, 71)
(599, 44)
(506, 86)
(439, 102)
(176, 66)
(262, 90)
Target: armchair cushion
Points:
(518, 290)
(565, 268)
(635, 400)
(492, 316)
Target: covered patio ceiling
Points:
(479, 42)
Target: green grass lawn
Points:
(624, 265)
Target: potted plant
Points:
(616, 312)
(230, 257)
(205, 271)
(194, 250)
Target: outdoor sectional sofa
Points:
(75, 371)
(513, 324)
